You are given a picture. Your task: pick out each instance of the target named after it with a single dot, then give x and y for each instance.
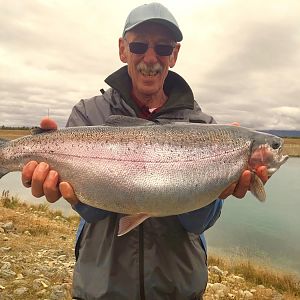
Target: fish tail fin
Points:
(257, 188)
(127, 223)
(3, 172)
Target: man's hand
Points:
(43, 180)
(240, 188)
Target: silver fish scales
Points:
(142, 169)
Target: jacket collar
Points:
(180, 94)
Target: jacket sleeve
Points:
(90, 214)
(80, 117)
(199, 220)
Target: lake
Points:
(268, 231)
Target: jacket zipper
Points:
(141, 262)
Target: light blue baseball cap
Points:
(153, 12)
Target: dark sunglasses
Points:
(141, 48)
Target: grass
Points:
(50, 230)
(39, 236)
(13, 202)
(10, 134)
(260, 274)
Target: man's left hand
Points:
(240, 188)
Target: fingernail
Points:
(43, 166)
(52, 174)
(27, 183)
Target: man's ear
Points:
(122, 50)
(173, 57)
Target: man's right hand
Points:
(44, 181)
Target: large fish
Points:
(141, 169)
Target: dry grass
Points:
(37, 232)
(292, 146)
(258, 274)
(13, 134)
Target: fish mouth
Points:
(269, 156)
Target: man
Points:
(164, 258)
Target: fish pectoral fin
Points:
(129, 222)
(257, 188)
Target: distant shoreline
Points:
(291, 144)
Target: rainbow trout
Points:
(141, 169)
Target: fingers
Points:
(68, 193)
(229, 191)
(47, 123)
(262, 173)
(42, 180)
(27, 173)
(243, 185)
(38, 178)
(240, 188)
(50, 187)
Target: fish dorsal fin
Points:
(125, 121)
(39, 130)
(129, 222)
(257, 188)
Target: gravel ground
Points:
(36, 261)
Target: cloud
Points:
(240, 58)
(254, 75)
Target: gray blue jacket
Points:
(164, 258)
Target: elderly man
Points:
(164, 258)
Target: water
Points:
(12, 183)
(270, 231)
(267, 231)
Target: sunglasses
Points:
(141, 48)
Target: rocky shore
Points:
(36, 259)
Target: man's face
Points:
(148, 71)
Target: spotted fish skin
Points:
(138, 168)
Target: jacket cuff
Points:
(199, 220)
(90, 214)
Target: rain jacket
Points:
(163, 258)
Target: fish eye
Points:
(276, 145)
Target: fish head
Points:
(266, 150)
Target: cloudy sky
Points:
(240, 57)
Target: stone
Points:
(21, 291)
(39, 283)
(8, 227)
(248, 295)
(216, 270)
(58, 292)
(219, 288)
(20, 276)
(238, 278)
(5, 249)
(62, 257)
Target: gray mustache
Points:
(148, 69)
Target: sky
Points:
(241, 58)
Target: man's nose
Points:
(150, 56)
